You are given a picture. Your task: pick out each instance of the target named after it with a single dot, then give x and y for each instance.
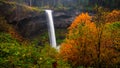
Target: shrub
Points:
(15, 54)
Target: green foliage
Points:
(28, 8)
(13, 54)
(114, 28)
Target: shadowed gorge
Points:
(25, 18)
(86, 34)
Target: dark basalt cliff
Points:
(29, 21)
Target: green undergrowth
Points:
(13, 54)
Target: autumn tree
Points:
(89, 45)
(77, 48)
(113, 16)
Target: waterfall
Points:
(51, 30)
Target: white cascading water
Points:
(51, 29)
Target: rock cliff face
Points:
(29, 21)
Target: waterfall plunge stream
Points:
(51, 29)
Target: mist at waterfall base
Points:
(51, 29)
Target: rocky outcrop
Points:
(29, 21)
(32, 25)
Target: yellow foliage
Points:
(88, 45)
(79, 39)
(113, 16)
(82, 18)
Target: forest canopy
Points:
(111, 4)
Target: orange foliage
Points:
(81, 23)
(78, 46)
(85, 41)
(114, 16)
(82, 18)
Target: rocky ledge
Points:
(29, 20)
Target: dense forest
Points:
(112, 4)
(87, 34)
